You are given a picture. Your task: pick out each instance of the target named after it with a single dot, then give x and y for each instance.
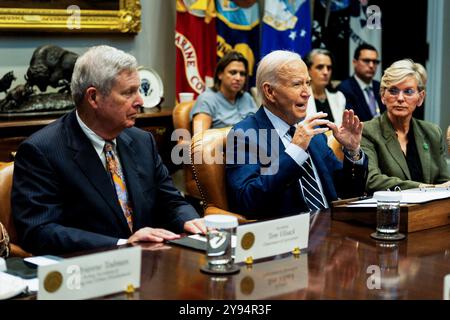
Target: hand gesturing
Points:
(349, 132)
(306, 129)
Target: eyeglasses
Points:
(367, 61)
(394, 92)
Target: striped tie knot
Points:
(291, 131)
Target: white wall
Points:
(153, 47)
(438, 64)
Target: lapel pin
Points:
(425, 146)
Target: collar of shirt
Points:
(280, 126)
(362, 84)
(295, 152)
(97, 142)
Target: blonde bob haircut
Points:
(402, 69)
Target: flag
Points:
(365, 27)
(286, 26)
(238, 30)
(331, 30)
(195, 39)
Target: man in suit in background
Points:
(91, 179)
(361, 92)
(304, 173)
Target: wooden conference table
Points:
(342, 262)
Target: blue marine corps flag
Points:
(286, 26)
(238, 29)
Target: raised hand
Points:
(306, 129)
(349, 132)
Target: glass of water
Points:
(388, 215)
(219, 250)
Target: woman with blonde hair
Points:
(403, 151)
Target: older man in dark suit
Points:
(91, 179)
(303, 173)
(361, 92)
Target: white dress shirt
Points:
(99, 143)
(294, 151)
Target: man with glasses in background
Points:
(361, 92)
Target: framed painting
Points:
(120, 16)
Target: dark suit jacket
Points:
(255, 195)
(63, 199)
(387, 163)
(355, 98)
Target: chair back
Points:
(6, 175)
(181, 120)
(180, 115)
(208, 162)
(335, 146)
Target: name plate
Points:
(91, 275)
(272, 278)
(269, 238)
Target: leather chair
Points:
(181, 120)
(6, 174)
(335, 146)
(209, 174)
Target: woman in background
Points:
(402, 150)
(324, 98)
(227, 102)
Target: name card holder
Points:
(269, 238)
(91, 275)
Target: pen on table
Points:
(345, 201)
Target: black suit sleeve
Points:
(172, 206)
(349, 96)
(352, 182)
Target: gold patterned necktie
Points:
(115, 171)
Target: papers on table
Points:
(409, 196)
(43, 260)
(11, 286)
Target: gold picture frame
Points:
(73, 19)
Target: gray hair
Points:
(269, 68)
(402, 69)
(98, 68)
(310, 56)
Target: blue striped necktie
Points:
(311, 190)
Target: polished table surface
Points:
(342, 262)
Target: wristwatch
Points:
(354, 156)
